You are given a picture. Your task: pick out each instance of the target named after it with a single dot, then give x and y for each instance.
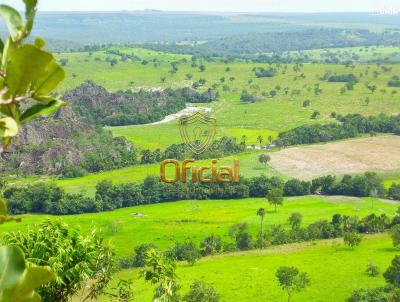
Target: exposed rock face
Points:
(48, 146)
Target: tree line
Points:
(50, 199)
(348, 126)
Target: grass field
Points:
(379, 154)
(166, 223)
(249, 166)
(265, 117)
(250, 276)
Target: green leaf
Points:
(42, 110)
(46, 84)
(8, 127)
(12, 266)
(1, 46)
(27, 64)
(30, 12)
(13, 20)
(19, 279)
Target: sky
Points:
(217, 5)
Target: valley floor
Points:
(335, 271)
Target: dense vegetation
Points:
(349, 126)
(278, 42)
(51, 199)
(95, 105)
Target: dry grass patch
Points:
(380, 154)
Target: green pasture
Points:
(267, 116)
(250, 276)
(167, 223)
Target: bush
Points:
(201, 292)
(186, 251)
(139, 259)
(372, 269)
(368, 295)
(352, 239)
(211, 245)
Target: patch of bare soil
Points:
(380, 154)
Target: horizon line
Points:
(207, 11)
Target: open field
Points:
(380, 154)
(250, 276)
(268, 115)
(166, 223)
(249, 166)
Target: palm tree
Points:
(261, 212)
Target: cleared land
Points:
(380, 154)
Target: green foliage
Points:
(211, 245)
(186, 251)
(27, 73)
(75, 259)
(395, 234)
(201, 292)
(275, 197)
(122, 292)
(160, 271)
(368, 295)
(18, 278)
(291, 280)
(141, 252)
(352, 239)
(295, 220)
(392, 274)
(372, 269)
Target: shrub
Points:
(201, 292)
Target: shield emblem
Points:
(197, 131)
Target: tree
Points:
(160, 271)
(392, 274)
(261, 212)
(201, 292)
(239, 232)
(295, 220)
(275, 197)
(264, 159)
(291, 280)
(75, 259)
(395, 234)
(352, 239)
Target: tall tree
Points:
(291, 280)
(275, 197)
(261, 212)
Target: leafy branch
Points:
(28, 74)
